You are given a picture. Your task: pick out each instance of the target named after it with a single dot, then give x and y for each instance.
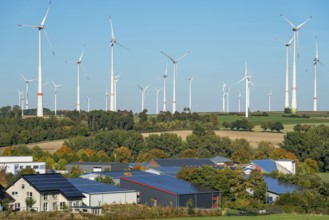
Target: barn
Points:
(170, 191)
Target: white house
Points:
(13, 164)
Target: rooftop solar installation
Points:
(53, 183)
(168, 184)
(89, 186)
(118, 174)
(182, 162)
(267, 165)
(278, 187)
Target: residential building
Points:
(13, 164)
(45, 192)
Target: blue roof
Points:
(118, 174)
(168, 184)
(89, 186)
(278, 187)
(171, 171)
(52, 183)
(183, 162)
(267, 165)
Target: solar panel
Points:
(53, 182)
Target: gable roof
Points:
(93, 187)
(220, 159)
(52, 183)
(170, 171)
(168, 184)
(267, 165)
(182, 162)
(278, 187)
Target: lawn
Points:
(260, 217)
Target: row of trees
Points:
(242, 124)
(273, 126)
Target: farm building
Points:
(88, 167)
(275, 188)
(170, 191)
(268, 166)
(97, 194)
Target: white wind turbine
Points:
(88, 104)
(269, 100)
(190, 94)
(295, 29)
(247, 78)
(164, 90)
(112, 90)
(224, 93)
(78, 62)
(40, 27)
(116, 80)
(27, 82)
(286, 97)
(22, 99)
(174, 83)
(143, 94)
(106, 95)
(55, 87)
(19, 97)
(157, 100)
(239, 101)
(227, 99)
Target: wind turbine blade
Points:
(49, 43)
(291, 40)
(299, 26)
(168, 56)
(325, 68)
(289, 22)
(53, 83)
(27, 25)
(140, 87)
(81, 56)
(45, 84)
(24, 78)
(187, 53)
(278, 39)
(45, 17)
(121, 45)
(251, 83)
(147, 87)
(316, 49)
(112, 32)
(240, 80)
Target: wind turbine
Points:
(269, 100)
(247, 78)
(106, 95)
(164, 90)
(40, 28)
(227, 99)
(56, 86)
(174, 83)
(88, 104)
(239, 101)
(224, 93)
(190, 94)
(78, 62)
(27, 81)
(143, 94)
(22, 99)
(116, 80)
(157, 101)
(295, 29)
(19, 97)
(286, 97)
(112, 92)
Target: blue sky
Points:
(220, 35)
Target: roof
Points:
(183, 162)
(118, 174)
(52, 183)
(267, 165)
(220, 159)
(93, 187)
(94, 163)
(168, 184)
(170, 171)
(278, 187)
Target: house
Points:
(43, 192)
(268, 166)
(88, 167)
(4, 195)
(275, 188)
(97, 194)
(222, 161)
(181, 162)
(13, 164)
(170, 191)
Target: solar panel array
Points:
(168, 183)
(278, 187)
(53, 183)
(266, 164)
(184, 162)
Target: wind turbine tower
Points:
(247, 78)
(27, 82)
(40, 28)
(224, 93)
(295, 29)
(78, 80)
(157, 101)
(227, 99)
(164, 90)
(116, 80)
(190, 94)
(106, 95)
(19, 97)
(269, 100)
(286, 97)
(174, 83)
(239, 101)
(56, 86)
(143, 94)
(88, 104)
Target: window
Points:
(45, 206)
(55, 195)
(17, 206)
(45, 196)
(28, 194)
(23, 186)
(14, 193)
(54, 206)
(62, 205)
(28, 166)
(35, 166)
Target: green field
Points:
(260, 217)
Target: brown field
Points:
(252, 137)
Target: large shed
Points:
(170, 191)
(88, 167)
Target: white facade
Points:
(288, 165)
(15, 167)
(98, 199)
(50, 201)
(13, 159)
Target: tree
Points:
(257, 185)
(29, 201)
(276, 126)
(104, 179)
(122, 154)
